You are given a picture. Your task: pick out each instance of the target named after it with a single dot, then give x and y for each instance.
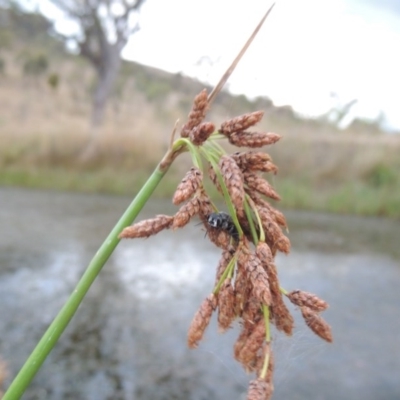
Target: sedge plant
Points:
(250, 234)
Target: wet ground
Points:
(128, 339)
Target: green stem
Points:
(227, 273)
(57, 327)
(251, 222)
(264, 369)
(192, 149)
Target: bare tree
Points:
(104, 27)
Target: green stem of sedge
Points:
(264, 370)
(193, 150)
(228, 272)
(251, 222)
(283, 291)
(57, 327)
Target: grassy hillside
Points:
(45, 103)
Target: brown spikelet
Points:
(242, 339)
(188, 186)
(225, 259)
(226, 311)
(253, 139)
(220, 238)
(276, 239)
(310, 300)
(259, 390)
(280, 314)
(252, 345)
(250, 160)
(214, 179)
(282, 318)
(252, 307)
(242, 288)
(257, 183)
(205, 206)
(197, 114)
(199, 134)
(201, 320)
(264, 253)
(233, 179)
(185, 213)
(147, 227)
(259, 279)
(276, 214)
(317, 324)
(241, 122)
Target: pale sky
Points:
(306, 50)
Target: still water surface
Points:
(128, 339)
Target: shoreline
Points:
(353, 198)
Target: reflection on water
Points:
(128, 339)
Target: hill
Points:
(45, 100)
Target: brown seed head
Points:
(280, 314)
(226, 311)
(282, 318)
(242, 288)
(242, 339)
(264, 253)
(317, 324)
(200, 133)
(258, 184)
(146, 228)
(206, 207)
(276, 239)
(253, 139)
(201, 320)
(254, 161)
(185, 213)
(259, 390)
(310, 300)
(262, 203)
(253, 344)
(241, 123)
(252, 311)
(233, 179)
(188, 186)
(214, 179)
(259, 280)
(197, 114)
(220, 238)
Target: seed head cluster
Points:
(247, 289)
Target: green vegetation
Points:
(361, 198)
(102, 180)
(350, 198)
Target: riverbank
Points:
(351, 197)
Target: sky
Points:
(312, 55)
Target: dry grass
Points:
(42, 127)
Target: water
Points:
(128, 339)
